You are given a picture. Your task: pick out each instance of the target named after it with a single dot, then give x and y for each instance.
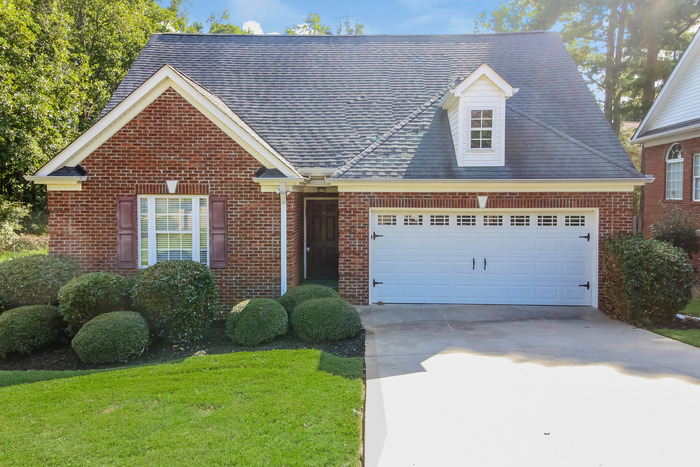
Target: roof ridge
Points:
(571, 139)
(388, 134)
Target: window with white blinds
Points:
(173, 228)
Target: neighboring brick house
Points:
(421, 169)
(670, 139)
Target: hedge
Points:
(87, 296)
(34, 279)
(325, 319)
(29, 327)
(645, 282)
(177, 298)
(298, 295)
(255, 321)
(118, 336)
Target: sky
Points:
(378, 16)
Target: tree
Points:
(222, 26)
(312, 26)
(624, 48)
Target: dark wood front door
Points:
(322, 238)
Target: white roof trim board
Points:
(165, 78)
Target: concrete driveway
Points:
(518, 386)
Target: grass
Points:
(280, 407)
(693, 308)
(9, 254)
(688, 336)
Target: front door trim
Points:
(312, 198)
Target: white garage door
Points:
(539, 258)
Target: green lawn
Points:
(693, 308)
(689, 336)
(8, 255)
(280, 407)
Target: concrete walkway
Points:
(480, 386)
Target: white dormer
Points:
(476, 108)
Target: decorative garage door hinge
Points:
(587, 285)
(374, 235)
(587, 236)
(375, 283)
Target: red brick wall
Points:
(615, 217)
(654, 163)
(171, 140)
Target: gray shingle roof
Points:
(368, 105)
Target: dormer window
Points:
(476, 109)
(481, 129)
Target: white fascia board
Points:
(672, 136)
(272, 185)
(144, 95)
(58, 183)
(488, 186)
(495, 78)
(665, 90)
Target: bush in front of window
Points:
(87, 296)
(677, 227)
(34, 279)
(177, 298)
(304, 293)
(645, 282)
(325, 320)
(255, 321)
(28, 328)
(118, 336)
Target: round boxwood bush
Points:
(324, 320)
(304, 293)
(255, 321)
(645, 282)
(118, 336)
(35, 279)
(29, 327)
(177, 298)
(85, 297)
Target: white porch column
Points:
(283, 237)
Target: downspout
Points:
(283, 237)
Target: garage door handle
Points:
(484, 264)
(473, 263)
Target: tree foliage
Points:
(312, 26)
(624, 48)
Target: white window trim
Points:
(668, 163)
(151, 207)
(494, 128)
(696, 176)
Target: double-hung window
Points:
(674, 172)
(173, 228)
(481, 129)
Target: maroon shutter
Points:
(127, 232)
(218, 238)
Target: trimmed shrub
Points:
(325, 319)
(645, 282)
(177, 298)
(255, 321)
(118, 336)
(29, 327)
(677, 227)
(85, 297)
(304, 293)
(35, 279)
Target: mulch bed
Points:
(683, 324)
(62, 357)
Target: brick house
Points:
(670, 139)
(412, 169)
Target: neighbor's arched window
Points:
(674, 172)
